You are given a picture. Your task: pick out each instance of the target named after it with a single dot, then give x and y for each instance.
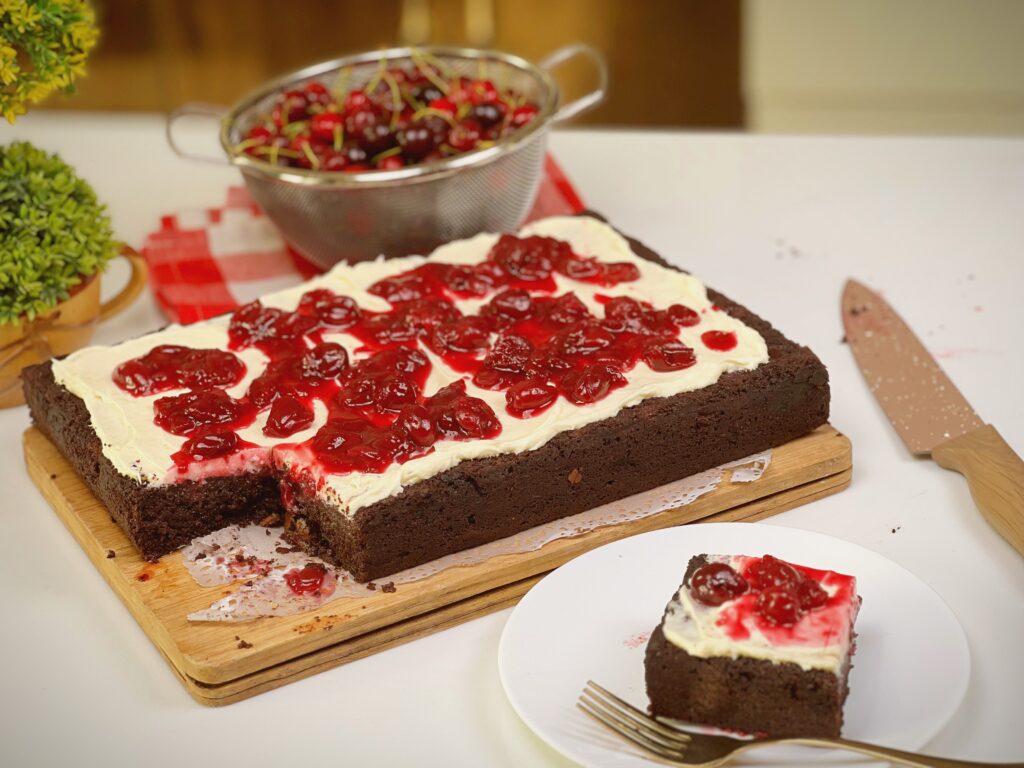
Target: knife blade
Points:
(929, 413)
(922, 403)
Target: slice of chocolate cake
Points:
(755, 644)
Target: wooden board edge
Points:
(837, 457)
(356, 648)
(220, 694)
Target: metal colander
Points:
(330, 217)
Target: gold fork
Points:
(678, 747)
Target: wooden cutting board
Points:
(220, 663)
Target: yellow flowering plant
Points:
(43, 45)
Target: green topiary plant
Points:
(53, 231)
(43, 45)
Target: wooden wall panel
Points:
(673, 62)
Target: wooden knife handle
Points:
(995, 475)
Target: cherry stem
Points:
(313, 159)
(431, 111)
(386, 153)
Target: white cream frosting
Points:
(820, 640)
(141, 450)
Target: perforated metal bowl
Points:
(330, 217)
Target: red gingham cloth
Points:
(206, 262)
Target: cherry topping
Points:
(668, 355)
(720, 341)
(192, 411)
(466, 336)
(401, 288)
(769, 571)
(396, 392)
(586, 338)
(267, 327)
(530, 397)
(416, 421)
(171, 367)
(208, 446)
(779, 606)
(465, 281)
(511, 305)
(509, 354)
(716, 583)
(811, 595)
(620, 272)
(459, 416)
(683, 316)
(339, 312)
(591, 384)
(565, 310)
(307, 580)
(324, 362)
(288, 415)
(528, 259)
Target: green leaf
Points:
(53, 231)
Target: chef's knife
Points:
(929, 413)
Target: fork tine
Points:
(627, 722)
(631, 735)
(638, 716)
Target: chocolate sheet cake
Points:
(397, 411)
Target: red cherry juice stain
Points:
(638, 640)
(311, 579)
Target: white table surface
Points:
(777, 223)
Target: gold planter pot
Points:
(62, 330)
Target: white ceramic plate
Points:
(591, 618)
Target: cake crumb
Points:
(200, 556)
(389, 587)
(896, 528)
(111, 554)
(53, 475)
(575, 477)
(242, 644)
(248, 583)
(371, 586)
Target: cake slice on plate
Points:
(755, 644)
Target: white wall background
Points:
(884, 66)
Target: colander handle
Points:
(194, 109)
(588, 100)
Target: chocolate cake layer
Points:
(743, 694)
(477, 501)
